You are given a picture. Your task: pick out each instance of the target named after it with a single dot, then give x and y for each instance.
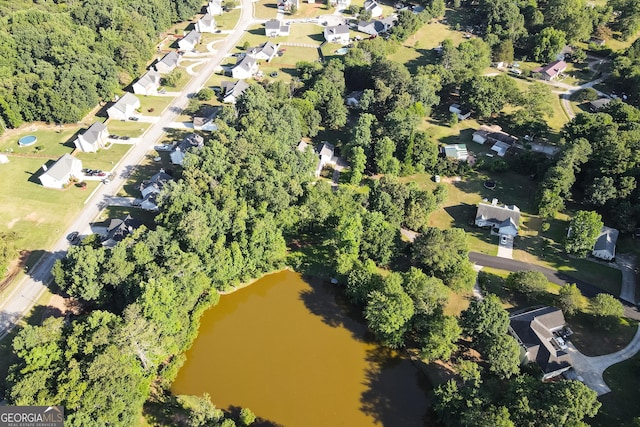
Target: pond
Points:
(290, 350)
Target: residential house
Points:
(148, 84)
(377, 26)
(265, 52)
(541, 333)
(155, 183)
(373, 7)
(61, 172)
(463, 113)
(287, 5)
(353, 99)
(168, 63)
(552, 70)
(231, 91)
(456, 152)
(124, 107)
(245, 68)
(204, 124)
(275, 28)
(326, 156)
(190, 41)
(206, 24)
(149, 203)
(340, 4)
(500, 141)
(302, 146)
(93, 138)
(598, 104)
(605, 246)
(503, 220)
(119, 229)
(191, 141)
(337, 34)
(214, 7)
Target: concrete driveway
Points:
(592, 368)
(505, 247)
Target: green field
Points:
(265, 9)
(228, 20)
(619, 406)
(154, 105)
(52, 141)
(130, 129)
(104, 159)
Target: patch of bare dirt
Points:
(13, 222)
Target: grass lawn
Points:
(457, 303)
(285, 65)
(266, 9)
(157, 104)
(130, 129)
(619, 406)
(181, 83)
(306, 34)
(310, 10)
(146, 170)
(228, 20)
(37, 214)
(104, 159)
(594, 340)
(52, 141)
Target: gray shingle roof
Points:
(126, 99)
(170, 59)
(498, 214)
(247, 63)
(607, 240)
(92, 135)
(267, 48)
(63, 166)
(272, 24)
(234, 89)
(338, 29)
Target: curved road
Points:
(27, 292)
(587, 289)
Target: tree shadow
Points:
(396, 390)
(425, 57)
(234, 412)
(256, 31)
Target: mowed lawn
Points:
(104, 159)
(38, 215)
(52, 141)
(619, 406)
(154, 105)
(228, 20)
(130, 129)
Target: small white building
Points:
(461, 112)
(373, 7)
(3, 159)
(337, 34)
(605, 246)
(231, 91)
(168, 63)
(214, 7)
(93, 138)
(190, 41)
(61, 172)
(341, 4)
(326, 156)
(148, 84)
(124, 107)
(456, 152)
(206, 24)
(245, 68)
(265, 52)
(500, 141)
(275, 28)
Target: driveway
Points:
(505, 247)
(592, 368)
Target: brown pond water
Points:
(290, 350)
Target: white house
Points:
(59, 174)
(341, 4)
(275, 28)
(155, 183)
(461, 112)
(337, 34)
(93, 139)
(206, 24)
(503, 220)
(168, 63)
(456, 151)
(124, 107)
(373, 7)
(605, 246)
(148, 84)
(265, 52)
(190, 41)
(500, 141)
(286, 5)
(204, 124)
(214, 7)
(191, 141)
(231, 91)
(326, 156)
(245, 68)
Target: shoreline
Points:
(252, 281)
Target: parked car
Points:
(134, 118)
(114, 137)
(73, 236)
(125, 138)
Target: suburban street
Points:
(27, 292)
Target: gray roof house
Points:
(214, 7)
(190, 41)
(148, 84)
(605, 246)
(191, 141)
(231, 91)
(124, 107)
(59, 174)
(245, 68)
(503, 220)
(501, 141)
(541, 333)
(337, 34)
(456, 151)
(276, 28)
(598, 104)
(266, 51)
(155, 183)
(326, 156)
(206, 24)
(93, 139)
(373, 7)
(168, 63)
(119, 229)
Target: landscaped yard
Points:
(182, 81)
(594, 340)
(52, 142)
(154, 105)
(130, 129)
(104, 159)
(228, 20)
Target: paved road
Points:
(27, 292)
(587, 289)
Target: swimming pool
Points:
(25, 141)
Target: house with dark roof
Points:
(150, 203)
(168, 63)
(598, 104)
(92, 139)
(190, 142)
(276, 28)
(377, 26)
(124, 107)
(504, 220)
(148, 84)
(373, 7)
(206, 24)
(551, 70)
(265, 52)
(118, 229)
(155, 183)
(245, 68)
(337, 34)
(463, 113)
(61, 172)
(190, 41)
(541, 333)
(231, 91)
(605, 246)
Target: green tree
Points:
(571, 16)
(247, 417)
(584, 229)
(503, 52)
(171, 79)
(601, 190)
(485, 319)
(439, 342)
(569, 299)
(548, 43)
(347, 238)
(358, 165)
(503, 354)
(205, 94)
(532, 284)
(383, 157)
(428, 293)
(607, 309)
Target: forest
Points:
(59, 59)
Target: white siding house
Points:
(337, 34)
(124, 107)
(206, 24)
(190, 41)
(93, 139)
(59, 174)
(605, 246)
(168, 63)
(148, 84)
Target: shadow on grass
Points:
(256, 31)
(425, 57)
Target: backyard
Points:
(104, 159)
